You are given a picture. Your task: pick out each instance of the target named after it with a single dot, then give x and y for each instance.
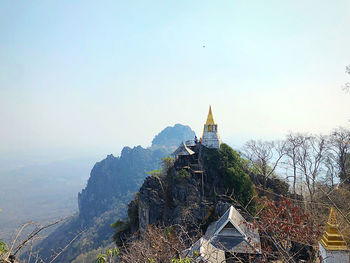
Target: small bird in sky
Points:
(203, 46)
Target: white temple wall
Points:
(211, 140)
(333, 256)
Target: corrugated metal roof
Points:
(219, 239)
(236, 245)
(183, 150)
(235, 241)
(236, 219)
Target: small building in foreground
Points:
(227, 240)
(333, 248)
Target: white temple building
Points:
(230, 235)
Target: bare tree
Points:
(339, 144)
(331, 170)
(293, 144)
(264, 156)
(156, 244)
(17, 245)
(310, 160)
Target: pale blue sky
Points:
(91, 76)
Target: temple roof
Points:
(183, 150)
(233, 216)
(332, 239)
(233, 233)
(210, 118)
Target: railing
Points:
(190, 143)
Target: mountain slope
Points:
(115, 178)
(111, 186)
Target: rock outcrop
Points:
(194, 195)
(196, 191)
(115, 179)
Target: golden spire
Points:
(332, 218)
(332, 239)
(210, 119)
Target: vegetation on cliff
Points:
(180, 196)
(226, 175)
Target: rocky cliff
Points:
(112, 184)
(191, 195)
(196, 190)
(115, 179)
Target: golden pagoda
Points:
(210, 137)
(210, 118)
(332, 239)
(210, 122)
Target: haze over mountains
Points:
(112, 184)
(40, 192)
(44, 192)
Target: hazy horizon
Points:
(87, 78)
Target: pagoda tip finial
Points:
(332, 217)
(210, 118)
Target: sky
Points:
(88, 77)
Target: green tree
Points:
(108, 256)
(229, 167)
(112, 253)
(167, 163)
(101, 258)
(3, 248)
(182, 260)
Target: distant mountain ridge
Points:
(172, 136)
(111, 186)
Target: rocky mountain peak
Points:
(172, 136)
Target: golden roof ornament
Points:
(332, 239)
(332, 218)
(210, 118)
